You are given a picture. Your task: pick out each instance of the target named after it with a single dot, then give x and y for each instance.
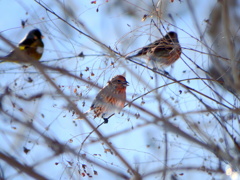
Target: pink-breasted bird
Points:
(162, 52)
(110, 99)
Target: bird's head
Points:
(119, 81)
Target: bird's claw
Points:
(166, 73)
(105, 120)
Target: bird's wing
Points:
(99, 98)
(159, 45)
(26, 43)
(162, 45)
(145, 49)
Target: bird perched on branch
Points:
(110, 98)
(162, 52)
(31, 45)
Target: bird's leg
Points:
(25, 66)
(166, 73)
(157, 68)
(105, 119)
(161, 71)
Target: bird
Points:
(31, 45)
(110, 99)
(163, 52)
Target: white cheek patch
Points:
(40, 50)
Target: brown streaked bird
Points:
(31, 45)
(162, 52)
(110, 99)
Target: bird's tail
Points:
(82, 116)
(3, 59)
(8, 59)
(130, 57)
(135, 59)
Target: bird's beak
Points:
(125, 83)
(42, 37)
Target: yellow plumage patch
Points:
(21, 47)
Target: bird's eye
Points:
(118, 80)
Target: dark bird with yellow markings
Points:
(31, 46)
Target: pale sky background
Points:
(143, 147)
